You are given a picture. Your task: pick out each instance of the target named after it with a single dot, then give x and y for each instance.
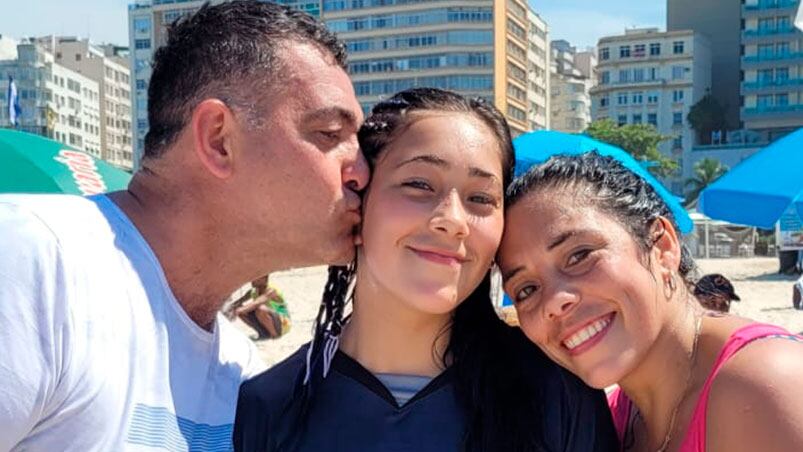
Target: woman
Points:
(423, 363)
(603, 288)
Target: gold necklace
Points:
(692, 358)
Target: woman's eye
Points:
(525, 292)
(418, 184)
(578, 256)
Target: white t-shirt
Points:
(96, 354)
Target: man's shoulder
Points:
(55, 217)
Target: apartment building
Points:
(571, 80)
(104, 65)
(646, 76)
(56, 101)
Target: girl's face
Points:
(580, 285)
(433, 212)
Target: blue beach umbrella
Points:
(537, 147)
(757, 191)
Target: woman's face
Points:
(580, 286)
(433, 212)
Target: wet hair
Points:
(609, 186)
(500, 398)
(226, 51)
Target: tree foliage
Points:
(706, 116)
(639, 140)
(706, 171)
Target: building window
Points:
(604, 78)
(781, 75)
(765, 51)
(677, 95)
(782, 23)
(677, 118)
(678, 72)
(604, 53)
(677, 47)
(652, 98)
(142, 25)
(764, 100)
(624, 76)
(677, 143)
(622, 120)
(781, 100)
(638, 75)
(782, 49)
(639, 50)
(621, 98)
(652, 118)
(638, 97)
(516, 113)
(652, 73)
(603, 102)
(624, 51)
(765, 76)
(637, 118)
(141, 84)
(142, 43)
(655, 48)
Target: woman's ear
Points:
(665, 246)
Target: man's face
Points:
(300, 172)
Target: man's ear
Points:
(212, 124)
(666, 245)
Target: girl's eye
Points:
(483, 199)
(418, 184)
(525, 292)
(578, 257)
(329, 135)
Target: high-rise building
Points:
(56, 102)
(652, 77)
(570, 88)
(772, 68)
(104, 65)
(718, 21)
(147, 30)
(495, 49)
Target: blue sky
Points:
(581, 22)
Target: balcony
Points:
(772, 57)
(767, 5)
(774, 110)
(769, 84)
(768, 32)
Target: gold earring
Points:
(670, 282)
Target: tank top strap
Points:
(695, 435)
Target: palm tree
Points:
(706, 171)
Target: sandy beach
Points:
(766, 296)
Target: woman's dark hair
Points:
(501, 400)
(610, 187)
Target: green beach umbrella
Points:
(34, 164)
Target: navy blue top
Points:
(353, 411)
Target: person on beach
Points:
(797, 293)
(423, 363)
(715, 292)
(110, 328)
(602, 284)
(262, 308)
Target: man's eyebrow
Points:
(324, 114)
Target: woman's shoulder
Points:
(276, 385)
(758, 386)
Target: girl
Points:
(602, 285)
(423, 363)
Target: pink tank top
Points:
(694, 441)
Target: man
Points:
(109, 327)
(797, 293)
